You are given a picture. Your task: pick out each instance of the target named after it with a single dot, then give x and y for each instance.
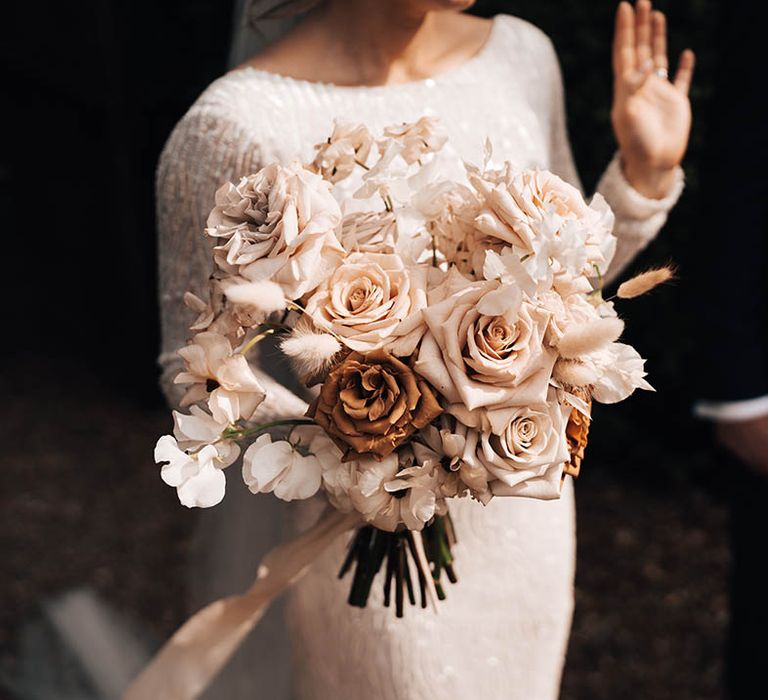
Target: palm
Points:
(651, 115)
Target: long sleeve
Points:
(207, 148)
(638, 218)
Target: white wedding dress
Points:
(503, 630)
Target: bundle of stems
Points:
(430, 555)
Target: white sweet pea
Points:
(388, 176)
(281, 468)
(559, 246)
(224, 378)
(417, 138)
(346, 147)
(621, 370)
(198, 428)
(388, 496)
(453, 446)
(515, 283)
(197, 477)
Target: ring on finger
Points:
(662, 73)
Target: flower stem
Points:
(237, 433)
(256, 339)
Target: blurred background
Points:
(90, 92)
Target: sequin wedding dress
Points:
(503, 630)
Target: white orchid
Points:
(224, 378)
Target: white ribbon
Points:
(199, 649)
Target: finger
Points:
(659, 40)
(636, 79)
(643, 31)
(624, 40)
(684, 73)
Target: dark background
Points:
(90, 91)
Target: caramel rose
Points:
(371, 403)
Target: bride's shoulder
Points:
(524, 37)
(239, 99)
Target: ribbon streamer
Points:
(199, 649)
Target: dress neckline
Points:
(472, 62)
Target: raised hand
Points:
(651, 115)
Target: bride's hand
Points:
(651, 115)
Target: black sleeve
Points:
(731, 251)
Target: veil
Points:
(230, 541)
(248, 40)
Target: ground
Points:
(81, 504)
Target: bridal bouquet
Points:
(450, 319)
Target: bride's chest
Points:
(514, 121)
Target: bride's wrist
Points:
(649, 181)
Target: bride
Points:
(502, 633)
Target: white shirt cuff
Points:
(732, 411)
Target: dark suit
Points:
(732, 300)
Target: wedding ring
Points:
(662, 73)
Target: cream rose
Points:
(527, 451)
(486, 360)
(522, 448)
(278, 224)
(372, 301)
(369, 232)
(519, 202)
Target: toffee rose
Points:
(371, 403)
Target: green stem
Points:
(237, 433)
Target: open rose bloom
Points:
(454, 329)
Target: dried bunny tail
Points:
(573, 373)
(645, 282)
(311, 352)
(584, 338)
(265, 295)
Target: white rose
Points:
(372, 301)
(486, 360)
(278, 224)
